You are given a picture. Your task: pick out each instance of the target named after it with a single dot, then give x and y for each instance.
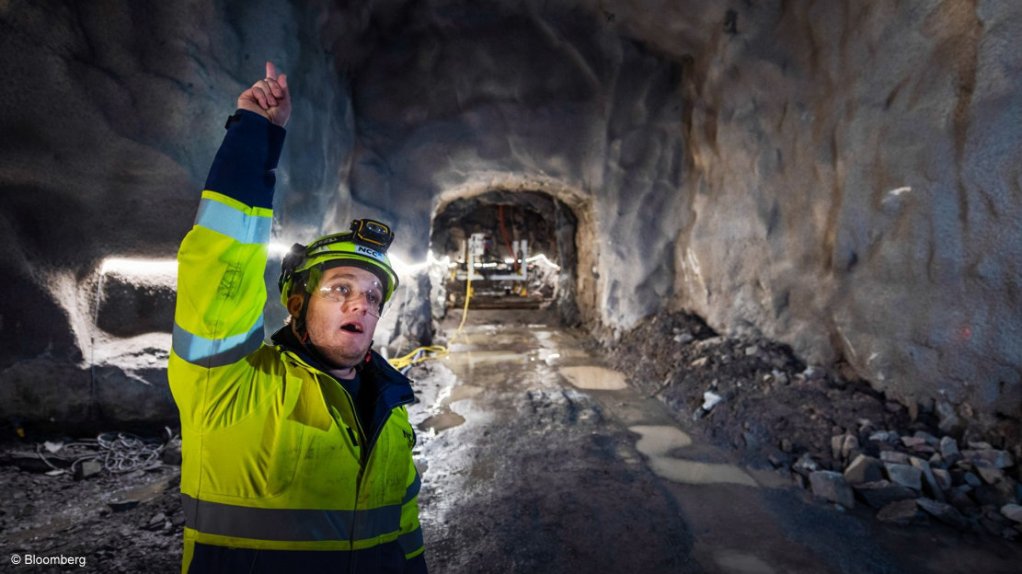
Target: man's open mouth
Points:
(352, 327)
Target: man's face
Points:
(343, 311)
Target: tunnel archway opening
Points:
(521, 248)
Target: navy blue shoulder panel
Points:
(387, 558)
(244, 164)
(386, 372)
(392, 387)
(417, 565)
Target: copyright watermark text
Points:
(37, 560)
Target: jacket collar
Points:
(392, 387)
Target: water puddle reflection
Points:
(594, 378)
(444, 418)
(658, 441)
(442, 422)
(462, 392)
(471, 364)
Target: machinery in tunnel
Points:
(517, 249)
(480, 262)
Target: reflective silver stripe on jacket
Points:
(237, 225)
(216, 352)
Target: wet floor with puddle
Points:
(536, 457)
(594, 378)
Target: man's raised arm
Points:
(221, 262)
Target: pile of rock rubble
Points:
(909, 478)
(833, 434)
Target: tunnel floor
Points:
(536, 457)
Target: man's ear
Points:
(294, 305)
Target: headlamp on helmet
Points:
(372, 233)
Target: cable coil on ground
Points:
(118, 452)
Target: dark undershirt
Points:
(362, 401)
(353, 386)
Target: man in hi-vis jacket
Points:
(297, 452)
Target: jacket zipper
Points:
(367, 451)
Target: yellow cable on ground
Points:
(419, 356)
(422, 354)
(464, 311)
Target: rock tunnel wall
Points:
(838, 176)
(856, 194)
(111, 116)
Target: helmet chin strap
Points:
(298, 324)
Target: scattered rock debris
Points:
(110, 500)
(841, 439)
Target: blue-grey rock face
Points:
(110, 118)
(857, 195)
(839, 176)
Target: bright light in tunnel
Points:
(138, 267)
(150, 267)
(403, 268)
(278, 248)
(542, 260)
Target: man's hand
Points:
(268, 97)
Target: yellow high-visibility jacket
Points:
(279, 470)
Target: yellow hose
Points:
(432, 352)
(412, 358)
(464, 310)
